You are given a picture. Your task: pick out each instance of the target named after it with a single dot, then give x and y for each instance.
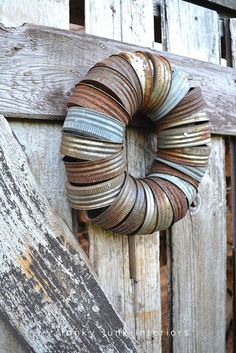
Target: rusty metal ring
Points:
(99, 108)
(120, 208)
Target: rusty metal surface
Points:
(178, 89)
(115, 84)
(88, 96)
(136, 217)
(165, 210)
(124, 67)
(176, 196)
(188, 189)
(176, 121)
(140, 62)
(186, 136)
(94, 196)
(190, 104)
(196, 173)
(162, 72)
(150, 222)
(82, 172)
(83, 148)
(120, 208)
(93, 143)
(194, 156)
(158, 167)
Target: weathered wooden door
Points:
(50, 293)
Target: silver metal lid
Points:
(179, 87)
(90, 123)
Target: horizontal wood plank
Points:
(226, 3)
(40, 65)
(223, 6)
(48, 290)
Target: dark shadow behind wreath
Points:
(99, 109)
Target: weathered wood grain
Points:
(126, 21)
(232, 206)
(44, 12)
(144, 252)
(192, 30)
(109, 250)
(134, 285)
(41, 143)
(48, 290)
(233, 40)
(40, 66)
(40, 140)
(197, 252)
(103, 18)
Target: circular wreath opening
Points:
(100, 108)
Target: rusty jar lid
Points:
(178, 89)
(93, 143)
(89, 197)
(88, 96)
(120, 208)
(136, 217)
(82, 172)
(83, 148)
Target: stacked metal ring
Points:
(100, 108)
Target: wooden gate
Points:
(51, 295)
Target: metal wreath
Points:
(99, 109)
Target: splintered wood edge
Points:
(49, 292)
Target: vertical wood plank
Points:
(198, 266)
(198, 242)
(39, 140)
(233, 40)
(51, 13)
(231, 305)
(102, 18)
(144, 249)
(109, 252)
(192, 31)
(133, 286)
(137, 22)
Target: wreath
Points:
(100, 107)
